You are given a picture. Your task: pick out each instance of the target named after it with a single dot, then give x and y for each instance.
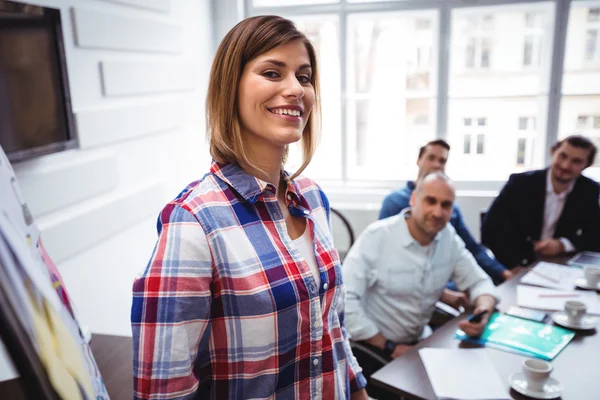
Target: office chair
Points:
(348, 229)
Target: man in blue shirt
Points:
(433, 157)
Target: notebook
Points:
(518, 335)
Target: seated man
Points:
(547, 212)
(433, 157)
(399, 266)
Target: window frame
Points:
(344, 8)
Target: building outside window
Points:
(383, 95)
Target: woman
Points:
(243, 296)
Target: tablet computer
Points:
(585, 258)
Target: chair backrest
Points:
(347, 227)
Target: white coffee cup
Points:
(575, 311)
(537, 372)
(592, 275)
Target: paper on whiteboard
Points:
(533, 297)
(554, 276)
(463, 374)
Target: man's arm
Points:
(360, 267)
(498, 230)
(393, 204)
(470, 277)
(491, 266)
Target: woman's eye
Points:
(305, 80)
(271, 74)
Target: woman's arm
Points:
(170, 313)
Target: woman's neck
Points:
(266, 162)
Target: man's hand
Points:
(507, 274)
(399, 350)
(549, 247)
(360, 395)
(475, 329)
(455, 299)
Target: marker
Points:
(476, 318)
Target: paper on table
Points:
(553, 276)
(541, 298)
(462, 374)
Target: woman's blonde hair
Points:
(244, 42)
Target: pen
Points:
(559, 295)
(476, 318)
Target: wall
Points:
(138, 72)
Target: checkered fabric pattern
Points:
(227, 308)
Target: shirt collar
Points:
(249, 186)
(550, 188)
(406, 238)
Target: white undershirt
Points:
(554, 205)
(305, 246)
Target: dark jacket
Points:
(515, 219)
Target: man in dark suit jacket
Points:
(547, 212)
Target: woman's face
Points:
(275, 96)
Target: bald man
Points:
(399, 266)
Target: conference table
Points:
(577, 367)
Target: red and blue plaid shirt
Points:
(228, 308)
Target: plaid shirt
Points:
(228, 308)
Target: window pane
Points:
(521, 143)
(480, 143)
(591, 38)
(391, 92)
(502, 88)
(580, 102)
(323, 31)
(278, 3)
(467, 144)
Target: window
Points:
(391, 93)
(477, 31)
(382, 98)
(526, 134)
(532, 45)
(485, 105)
(474, 135)
(592, 29)
(580, 101)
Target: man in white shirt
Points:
(547, 212)
(399, 266)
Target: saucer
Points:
(583, 283)
(588, 322)
(552, 388)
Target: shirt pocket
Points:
(400, 282)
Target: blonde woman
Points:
(243, 296)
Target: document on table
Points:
(554, 300)
(463, 374)
(554, 276)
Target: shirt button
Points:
(289, 196)
(324, 286)
(524, 261)
(315, 362)
(317, 324)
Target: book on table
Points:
(518, 335)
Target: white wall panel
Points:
(54, 188)
(155, 5)
(136, 78)
(105, 126)
(66, 238)
(94, 29)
